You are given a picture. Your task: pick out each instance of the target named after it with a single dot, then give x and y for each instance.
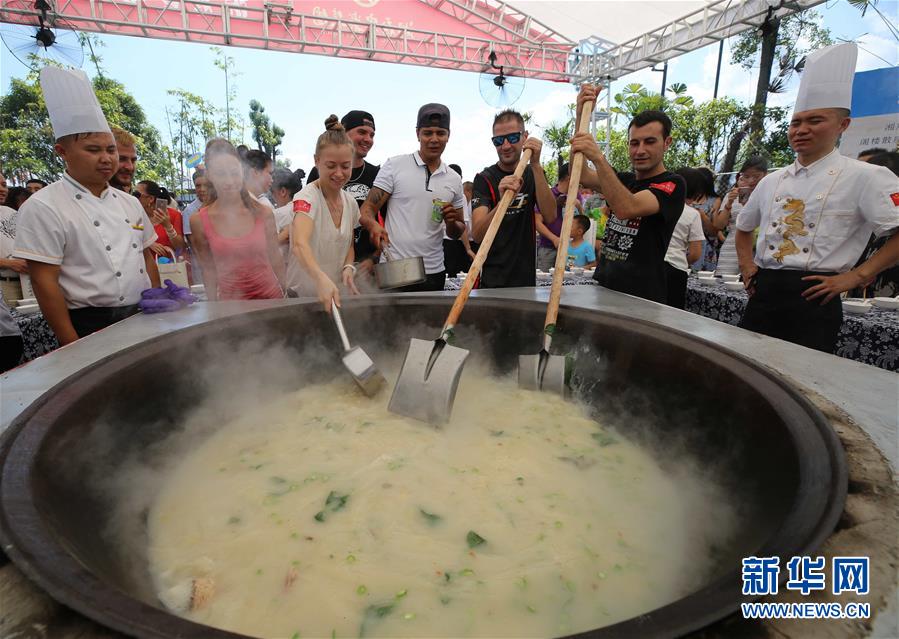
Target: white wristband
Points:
(352, 266)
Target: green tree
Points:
(268, 135)
(26, 137)
(557, 135)
(192, 121)
(785, 41)
(232, 123)
(635, 98)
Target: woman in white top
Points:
(324, 216)
(751, 173)
(685, 246)
(257, 171)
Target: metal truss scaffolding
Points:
(525, 46)
(601, 61)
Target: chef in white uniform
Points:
(815, 216)
(86, 244)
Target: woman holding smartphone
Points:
(751, 173)
(166, 221)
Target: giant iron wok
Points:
(782, 462)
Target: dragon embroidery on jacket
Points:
(795, 223)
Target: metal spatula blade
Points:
(542, 372)
(428, 381)
(356, 361)
(364, 372)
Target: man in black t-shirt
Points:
(512, 259)
(360, 128)
(643, 209)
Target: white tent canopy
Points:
(618, 37)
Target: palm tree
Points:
(558, 136)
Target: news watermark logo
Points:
(806, 575)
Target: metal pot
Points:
(398, 273)
(777, 455)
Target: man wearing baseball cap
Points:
(360, 127)
(425, 197)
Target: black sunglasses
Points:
(513, 138)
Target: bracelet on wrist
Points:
(352, 266)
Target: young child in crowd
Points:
(579, 248)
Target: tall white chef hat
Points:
(827, 79)
(71, 102)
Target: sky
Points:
(300, 91)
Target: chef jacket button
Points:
(778, 199)
(812, 225)
(771, 247)
(108, 247)
(805, 250)
(819, 197)
(142, 270)
(134, 246)
(127, 221)
(774, 224)
(78, 196)
(96, 223)
(118, 274)
(121, 299)
(831, 172)
(114, 195)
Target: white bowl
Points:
(28, 309)
(588, 272)
(26, 301)
(462, 275)
(729, 277)
(544, 277)
(577, 270)
(856, 306)
(198, 288)
(891, 303)
(706, 274)
(707, 281)
(734, 286)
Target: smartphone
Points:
(162, 204)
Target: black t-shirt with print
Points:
(512, 259)
(633, 251)
(358, 186)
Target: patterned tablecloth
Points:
(872, 338)
(37, 335)
(455, 283)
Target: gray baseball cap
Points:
(433, 114)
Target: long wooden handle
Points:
(484, 248)
(577, 166)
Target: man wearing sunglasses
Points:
(512, 259)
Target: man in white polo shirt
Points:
(86, 244)
(416, 184)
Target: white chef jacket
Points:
(8, 217)
(98, 242)
(412, 191)
(820, 217)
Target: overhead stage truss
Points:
(601, 61)
(474, 28)
(524, 46)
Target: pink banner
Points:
(401, 31)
